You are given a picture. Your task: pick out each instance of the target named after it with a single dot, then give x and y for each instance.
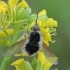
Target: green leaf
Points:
(32, 18)
(34, 63)
(27, 66)
(39, 65)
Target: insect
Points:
(31, 44)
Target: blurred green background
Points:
(60, 11)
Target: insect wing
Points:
(15, 48)
(49, 55)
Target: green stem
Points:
(14, 13)
(16, 33)
(7, 59)
(14, 39)
(7, 35)
(11, 12)
(5, 63)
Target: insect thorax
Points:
(35, 28)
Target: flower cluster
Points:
(39, 63)
(47, 26)
(16, 18)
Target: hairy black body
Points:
(32, 46)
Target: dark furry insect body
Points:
(30, 45)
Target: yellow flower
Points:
(18, 64)
(12, 3)
(23, 4)
(9, 31)
(43, 12)
(4, 42)
(41, 23)
(7, 43)
(51, 22)
(44, 61)
(45, 32)
(3, 35)
(47, 38)
(21, 64)
(3, 7)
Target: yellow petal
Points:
(45, 32)
(7, 43)
(3, 7)
(41, 57)
(47, 38)
(12, 3)
(43, 12)
(47, 65)
(51, 22)
(41, 23)
(9, 31)
(23, 4)
(46, 42)
(18, 64)
(4, 42)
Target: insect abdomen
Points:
(32, 46)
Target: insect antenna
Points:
(36, 20)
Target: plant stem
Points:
(5, 63)
(7, 59)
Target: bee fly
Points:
(31, 44)
(34, 40)
(28, 45)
